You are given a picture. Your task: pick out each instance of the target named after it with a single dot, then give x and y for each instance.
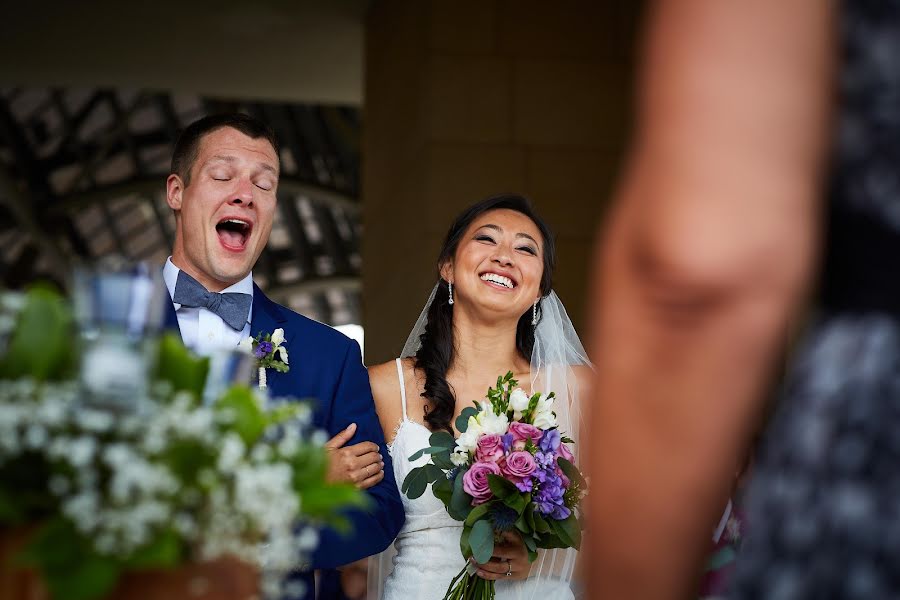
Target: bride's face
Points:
(498, 264)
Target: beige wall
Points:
(465, 99)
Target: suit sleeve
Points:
(373, 529)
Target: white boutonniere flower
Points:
(269, 353)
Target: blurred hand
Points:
(359, 464)
(353, 579)
(510, 556)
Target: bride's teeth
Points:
(499, 279)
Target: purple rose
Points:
(524, 431)
(519, 464)
(490, 448)
(518, 468)
(565, 453)
(475, 481)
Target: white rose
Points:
(459, 458)
(246, 345)
(518, 400)
(277, 337)
(469, 440)
(545, 420)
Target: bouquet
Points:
(152, 483)
(510, 470)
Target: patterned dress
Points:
(824, 503)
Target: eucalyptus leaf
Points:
(433, 473)
(482, 541)
(462, 421)
(442, 439)
(442, 490)
(430, 450)
(415, 483)
(460, 502)
(478, 512)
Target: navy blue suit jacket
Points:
(326, 366)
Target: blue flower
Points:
(550, 440)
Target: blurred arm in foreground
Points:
(707, 255)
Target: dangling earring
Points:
(534, 313)
(450, 292)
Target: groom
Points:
(223, 190)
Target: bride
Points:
(492, 311)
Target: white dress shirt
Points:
(202, 330)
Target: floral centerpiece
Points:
(510, 470)
(105, 491)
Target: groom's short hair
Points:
(188, 145)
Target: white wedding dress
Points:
(427, 548)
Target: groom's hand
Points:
(359, 464)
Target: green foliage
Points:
(180, 367)
(462, 421)
(482, 541)
(501, 487)
(41, 346)
(460, 502)
(68, 564)
(249, 420)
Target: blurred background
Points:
(392, 115)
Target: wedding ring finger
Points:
(508, 568)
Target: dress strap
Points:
(402, 386)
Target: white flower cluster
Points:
(486, 422)
(116, 481)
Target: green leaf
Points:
(430, 450)
(460, 502)
(249, 419)
(324, 502)
(434, 473)
(163, 551)
(540, 524)
(415, 483)
(42, 344)
(180, 367)
(442, 439)
(502, 488)
(571, 472)
(568, 531)
(442, 490)
(462, 421)
(517, 502)
(529, 516)
(477, 512)
(68, 564)
(482, 541)
(464, 545)
(442, 459)
(529, 543)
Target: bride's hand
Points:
(510, 556)
(359, 464)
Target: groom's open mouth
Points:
(234, 233)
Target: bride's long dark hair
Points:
(436, 353)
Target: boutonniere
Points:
(269, 353)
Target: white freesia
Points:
(492, 423)
(277, 337)
(544, 404)
(518, 400)
(469, 439)
(282, 354)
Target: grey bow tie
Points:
(233, 307)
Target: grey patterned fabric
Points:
(823, 509)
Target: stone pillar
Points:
(470, 98)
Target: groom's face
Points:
(224, 215)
